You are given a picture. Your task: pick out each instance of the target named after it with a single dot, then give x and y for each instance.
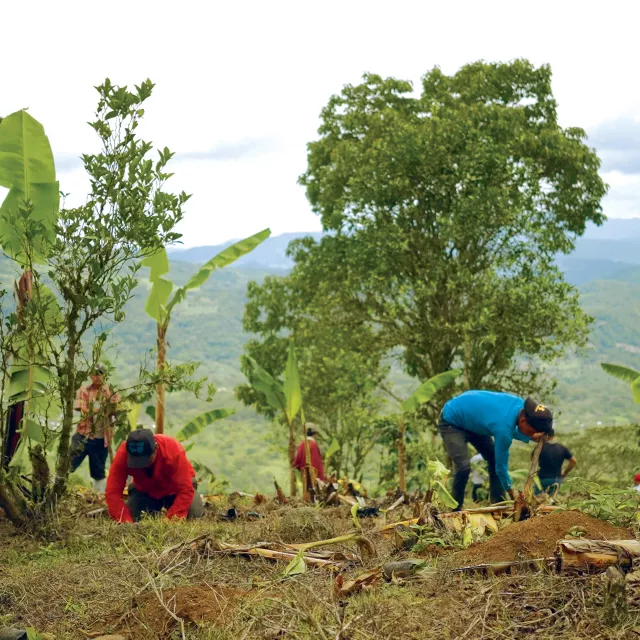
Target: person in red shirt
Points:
(163, 478)
(316, 457)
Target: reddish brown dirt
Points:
(194, 605)
(537, 538)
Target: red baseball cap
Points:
(636, 478)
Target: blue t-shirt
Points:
(489, 413)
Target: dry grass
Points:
(102, 577)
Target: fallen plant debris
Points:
(204, 545)
(596, 555)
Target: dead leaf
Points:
(368, 579)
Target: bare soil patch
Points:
(194, 605)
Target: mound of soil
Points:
(537, 538)
(194, 605)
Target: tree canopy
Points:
(445, 211)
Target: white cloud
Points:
(252, 70)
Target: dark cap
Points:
(141, 445)
(98, 370)
(538, 416)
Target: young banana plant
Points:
(161, 303)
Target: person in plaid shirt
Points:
(96, 404)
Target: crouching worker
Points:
(163, 478)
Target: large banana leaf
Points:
(224, 258)
(292, 391)
(428, 389)
(263, 382)
(19, 382)
(133, 411)
(161, 288)
(28, 171)
(630, 376)
(334, 447)
(195, 426)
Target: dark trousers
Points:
(549, 485)
(455, 442)
(474, 492)
(81, 447)
(140, 503)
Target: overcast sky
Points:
(240, 85)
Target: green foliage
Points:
(296, 567)
(426, 391)
(159, 305)
(618, 506)
(630, 376)
(265, 384)
(28, 171)
(340, 367)
(195, 426)
(446, 210)
(292, 392)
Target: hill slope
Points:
(207, 328)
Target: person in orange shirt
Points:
(96, 404)
(163, 478)
(316, 457)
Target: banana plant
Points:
(161, 304)
(424, 393)
(630, 376)
(285, 398)
(28, 216)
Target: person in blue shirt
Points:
(490, 420)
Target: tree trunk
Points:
(292, 456)
(24, 293)
(40, 476)
(162, 354)
(596, 555)
(402, 456)
(12, 503)
(68, 403)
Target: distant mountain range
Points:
(601, 252)
(271, 254)
(207, 328)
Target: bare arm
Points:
(572, 463)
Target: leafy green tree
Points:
(340, 366)
(91, 254)
(445, 211)
(160, 303)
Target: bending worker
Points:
(163, 478)
(489, 421)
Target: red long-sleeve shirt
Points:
(172, 476)
(316, 457)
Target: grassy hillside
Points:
(207, 328)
